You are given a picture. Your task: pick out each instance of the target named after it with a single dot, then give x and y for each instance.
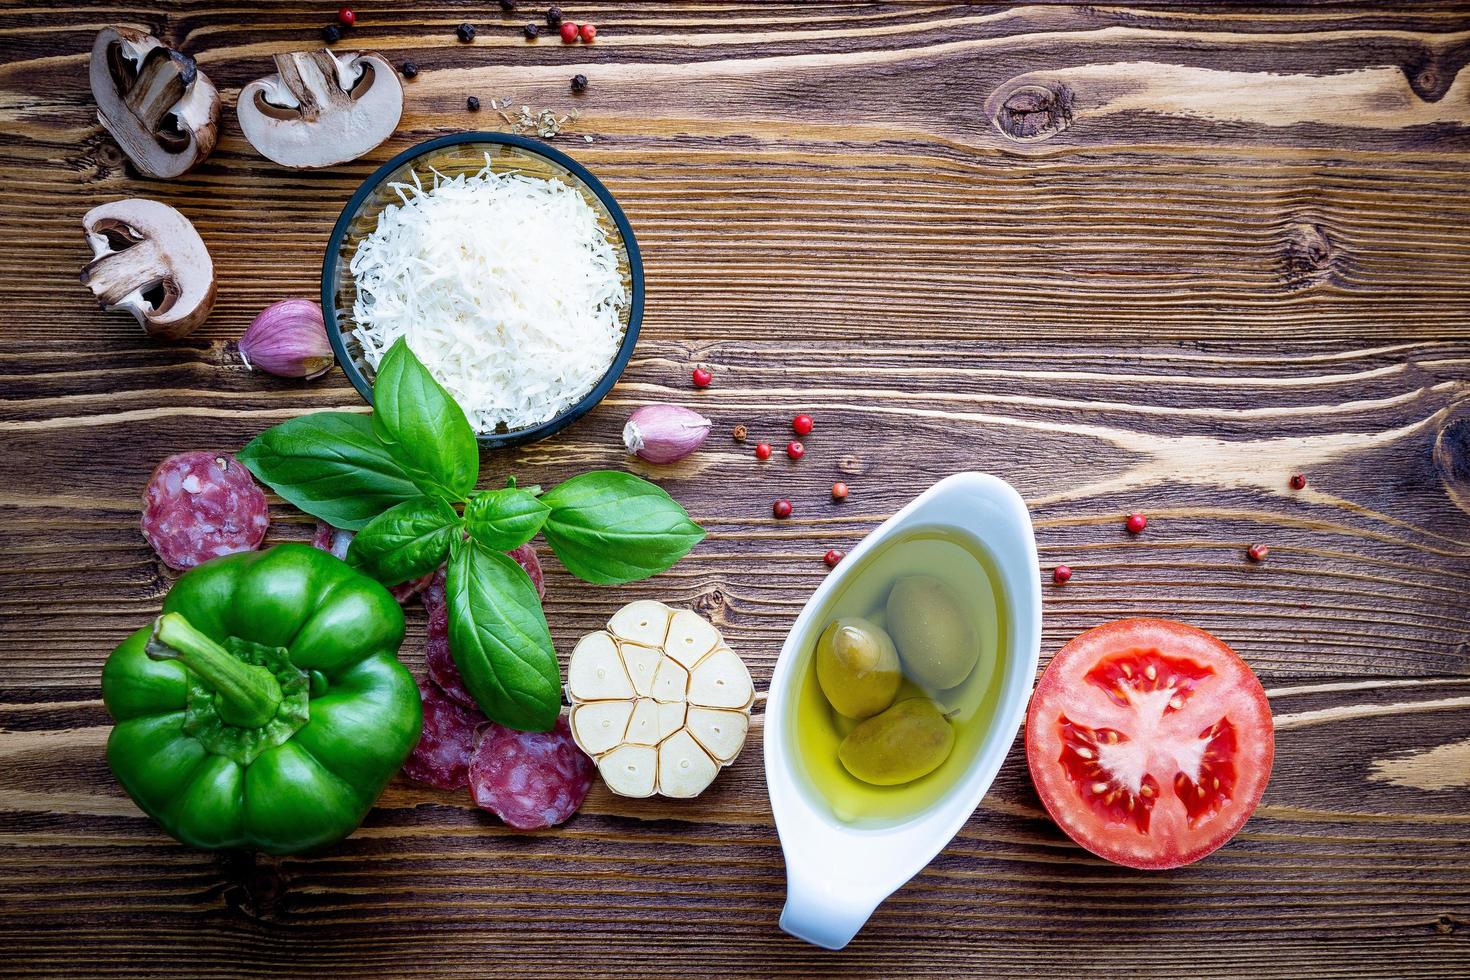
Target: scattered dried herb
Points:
(539, 122)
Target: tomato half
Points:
(1149, 741)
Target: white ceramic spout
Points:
(837, 873)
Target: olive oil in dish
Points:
(901, 685)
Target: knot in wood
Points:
(1308, 256)
(1451, 455)
(1033, 112)
(254, 885)
(714, 607)
(1431, 75)
(851, 465)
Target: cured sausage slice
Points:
(442, 757)
(530, 780)
(440, 664)
(336, 541)
(331, 539)
(525, 556)
(201, 505)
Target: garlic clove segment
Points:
(288, 339)
(664, 433)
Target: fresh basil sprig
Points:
(610, 527)
(499, 640)
(423, 426)
(331, 465)
(406, 541)
(398, 480)
(504, 519)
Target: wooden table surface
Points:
(1126, 258)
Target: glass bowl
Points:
(451, 156)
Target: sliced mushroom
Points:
(151, 262)
(321, 108)
(162, 110)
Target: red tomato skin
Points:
(1050, 692)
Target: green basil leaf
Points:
(406, 541)
(499, 640)
(423, 426)
(502, 520)
(610, 527)
(331, 465)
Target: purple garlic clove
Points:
(664, 433)
(288, 339)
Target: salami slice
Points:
(440, 664)
(331, 539)
(525, 556)
(442, 757)
(336, 541)
(201, 505)
(530, 780)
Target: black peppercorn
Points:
(472, 103)
(409, 69)
(331, 33)
(530, 30)
(579, 83)
(507, 5)
(465, 32)
(553, 16)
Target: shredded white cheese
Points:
(505, 287)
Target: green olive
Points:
(909, 740)
(857, 667)
(935, 639)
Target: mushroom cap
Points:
(659, 701)
(144, 247)
(321, 108)
(162, 110)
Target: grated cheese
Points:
(503, 285)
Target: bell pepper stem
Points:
(248, 695)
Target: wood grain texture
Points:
(1129, 258)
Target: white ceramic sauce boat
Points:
(837, 873)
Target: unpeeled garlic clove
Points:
(288, 339)
(664, 433)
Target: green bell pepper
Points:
(266, 708)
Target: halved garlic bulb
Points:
(659, 701)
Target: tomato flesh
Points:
(1150, 742)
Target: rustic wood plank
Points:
(1129, 258)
